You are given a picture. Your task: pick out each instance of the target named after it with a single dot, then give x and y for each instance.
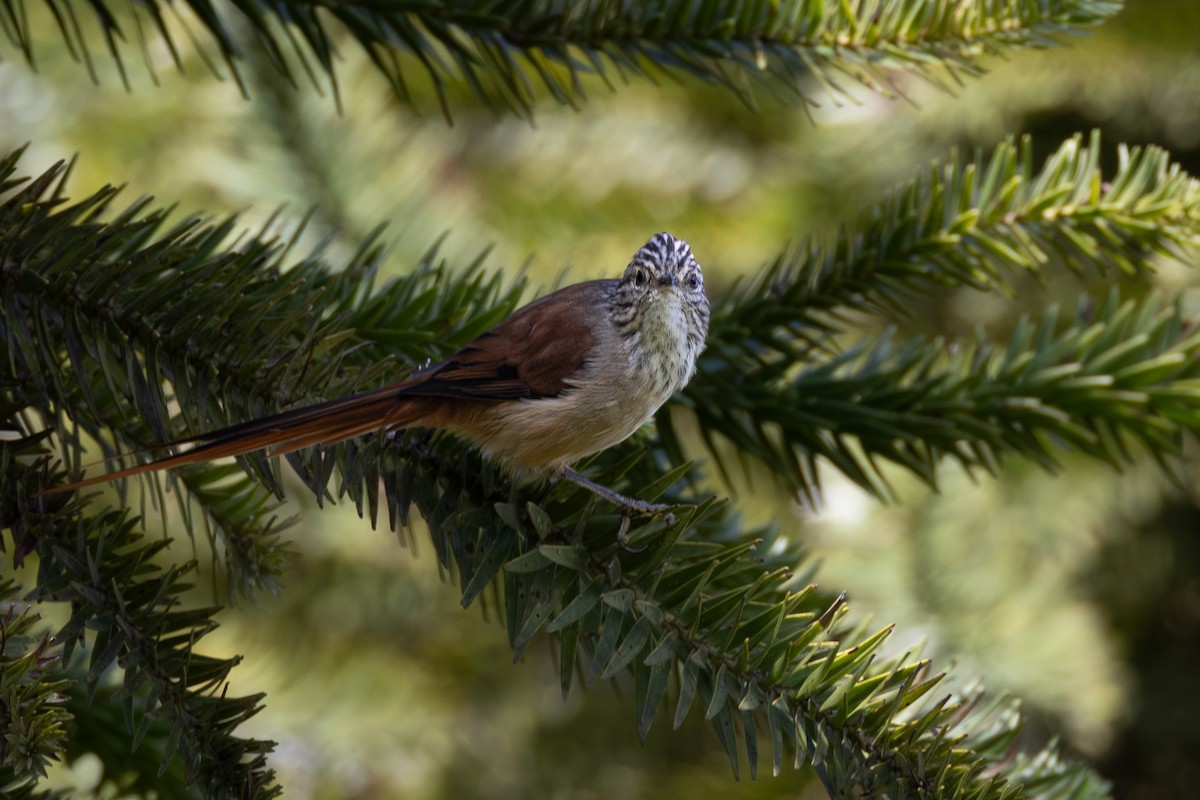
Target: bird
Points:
(567, 375)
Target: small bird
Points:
(565, 376)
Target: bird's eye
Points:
(693, 281)
(639, 277)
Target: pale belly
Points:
(545, 434)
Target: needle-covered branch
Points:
(1117, 382)
(705, 618)
(1107, 381)
(702, 614)
(503, 51)
(32, 694)
(969, 223)
(121, 609)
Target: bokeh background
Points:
(1077, 592)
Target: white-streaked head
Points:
(662, 263)
(660, 302)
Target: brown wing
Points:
(531, 354)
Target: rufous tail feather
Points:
(322, 423)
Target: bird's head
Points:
(660, 303)
(665, 264)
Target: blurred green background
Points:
(1079, 593)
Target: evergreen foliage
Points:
(502, 50)
(124, 609)
(1126, 376)
(125, 330)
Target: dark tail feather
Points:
(322, 423)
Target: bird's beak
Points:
(666, 281)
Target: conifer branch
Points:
(966, 225)
(32, 716)
(1118, 382)
(699, 609)
(125, 611)
(701, 612)
(502, 51)
(970, 224)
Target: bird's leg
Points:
(616, 498)
(629, 505)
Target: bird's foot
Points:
(632, 506)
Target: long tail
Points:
(322, 423)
